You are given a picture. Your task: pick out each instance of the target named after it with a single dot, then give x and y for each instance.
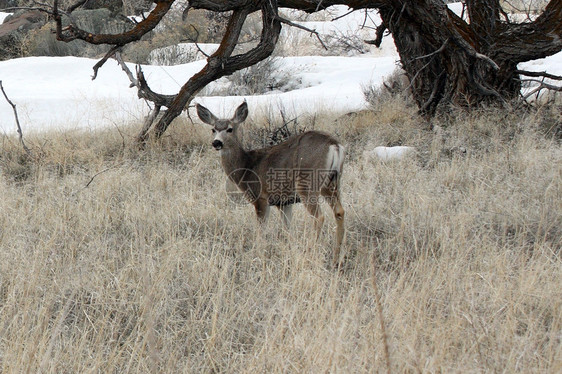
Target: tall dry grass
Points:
(119, 260)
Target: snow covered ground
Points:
(57, 92)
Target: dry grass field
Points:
(117, 260)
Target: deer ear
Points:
(205, 115)
(241, 113)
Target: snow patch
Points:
(389, 153)
(3, 16)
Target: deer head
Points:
(224, 130)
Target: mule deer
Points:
(306, 168)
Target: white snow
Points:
(551, 64)
(57, 92)
(388, 153)
(325, 83)
(3, 15)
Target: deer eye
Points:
(229, 129)
(214, 131)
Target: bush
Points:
(182, 53)
(348, 43)
(259, 78)
(395, 89)
(274, 133)
(263, 77)
(163, 46)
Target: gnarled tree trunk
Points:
(450, 60)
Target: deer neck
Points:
(233, 158)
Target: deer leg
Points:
(262, 210)
(314, 209)
(286, 214)
(339, 213)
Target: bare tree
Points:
(449, 59)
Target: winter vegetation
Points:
(115, 259)
(120, 258)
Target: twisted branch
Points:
(20, 133)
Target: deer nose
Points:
(217, 144)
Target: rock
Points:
(8, 4)
(14, 29)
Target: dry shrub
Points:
(263, 77)
(394, 92)
(151, 268)
(170, 32)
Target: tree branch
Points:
(20, 133)
(543, 84)
(379, 33)
(125, 68)
(76, 5)
(343, 15)
(43, 8)
(539, 74)
(441, 49)
(531, 40)
(195, 41)
(298, 26)
(143, 90)
(107, 56)
(72, 32)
